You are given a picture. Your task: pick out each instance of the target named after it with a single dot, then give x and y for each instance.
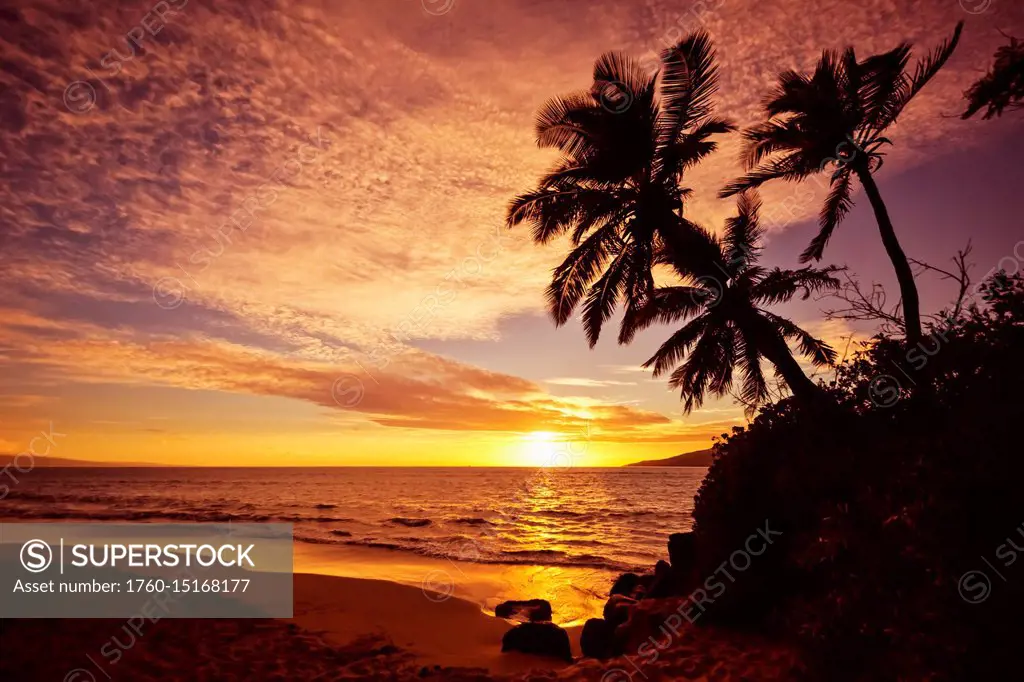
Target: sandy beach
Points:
(348, 629)
(344, 628)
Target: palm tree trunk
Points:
(776, 350)
(803, 388)
(904, 275)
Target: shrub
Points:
(884, 504)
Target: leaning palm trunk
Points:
(777, 352)
(904, 275)
(803, 388)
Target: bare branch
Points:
(777, 390)
(961, 276)
(865, 305)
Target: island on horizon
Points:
(697, 458)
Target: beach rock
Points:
(541, 639)
(598, 639)
(625, 584)
(643, 586)
(616, 610)
(682, 552)
(664, 581)
(533, 610)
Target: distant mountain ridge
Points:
(48, 462)
(697, 458)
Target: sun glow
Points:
(541, 449)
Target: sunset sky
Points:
(376, 311)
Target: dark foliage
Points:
(1002, 87)
(885, 506)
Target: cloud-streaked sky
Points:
(274, 235)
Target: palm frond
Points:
(691, 250)
(570, 280)
(665, 305)
(924, 72)
(884, 77)
(820, 353)
(789, 94)
(603, 296)
(743, 232)
(675, 348)
(755, 388)
(836, 206)
(770, 137)
(689, 80)
(569, 124)
(681, 154)
(779, 285)
(707, 360)
(619, 71)
(790, 167)
(1002, 87)
(552, 211)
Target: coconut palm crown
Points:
(617, 189)
(834, 120)
(727, 325)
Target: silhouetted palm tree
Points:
(1002, 87)
(625, 145)
(727, 323)
(811, 119)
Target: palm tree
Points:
(617, 190)
(1002, 87)
(727, 324)
(811, 119)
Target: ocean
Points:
(608, 519)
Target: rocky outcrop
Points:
(664, 584)
(625, 584)
(682, 552)
(598, 639)
(540, 639)
(528, 610)
(616, 610)
(609, 636)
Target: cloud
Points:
(583, 382)
(255, 197)
(414, 389)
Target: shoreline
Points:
(341, 628)
(435, 630)
(575, 593)
(373, 613)
(360, 629)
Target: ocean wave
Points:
(193, 516)
(473, 521)
(410, 523)
(543, 557)
(299, 518)
(560, 513)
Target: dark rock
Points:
(598, 639)
(533, 610)
(616, 610)
(664, 582)
(541, 639)
(682, 552)
(644, 583)
(625, 584)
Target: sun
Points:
(542, 449)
